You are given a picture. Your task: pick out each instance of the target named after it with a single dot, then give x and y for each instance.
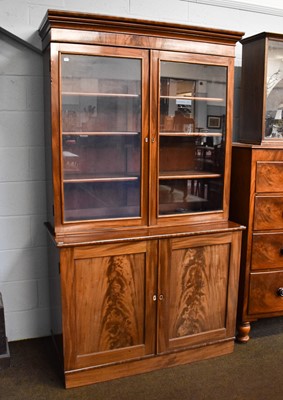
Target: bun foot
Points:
(243, 332)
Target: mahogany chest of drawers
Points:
(257, 202)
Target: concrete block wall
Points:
(24, 276)
(23, 251)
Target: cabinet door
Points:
(191, 134)
(108, 307)
(103, 157)
(198, 290)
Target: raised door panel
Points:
(197, 275)
(108, 291)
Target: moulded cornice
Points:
(84, 21)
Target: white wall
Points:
(23, 248)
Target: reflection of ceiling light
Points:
(66, 59)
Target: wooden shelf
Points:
(187, 175)
(200, 134)
(193, 98)
(98, 94)
(111, 179)
(91, 133)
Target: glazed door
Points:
(191, 135)
(102, 135)
(108, 307)
(197, 290)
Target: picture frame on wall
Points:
(213, 122)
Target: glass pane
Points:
(191, 137)
(101, 137)
(274, 91)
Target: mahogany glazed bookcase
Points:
(138, 131)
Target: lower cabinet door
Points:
(109, 312)
(197, 290)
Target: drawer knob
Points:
(280, 292)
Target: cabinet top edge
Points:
(87, 21)
(263, 145)
(262, 35)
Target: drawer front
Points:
(264, 292)
(268, 212)
(269, 176)
(267, 251)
